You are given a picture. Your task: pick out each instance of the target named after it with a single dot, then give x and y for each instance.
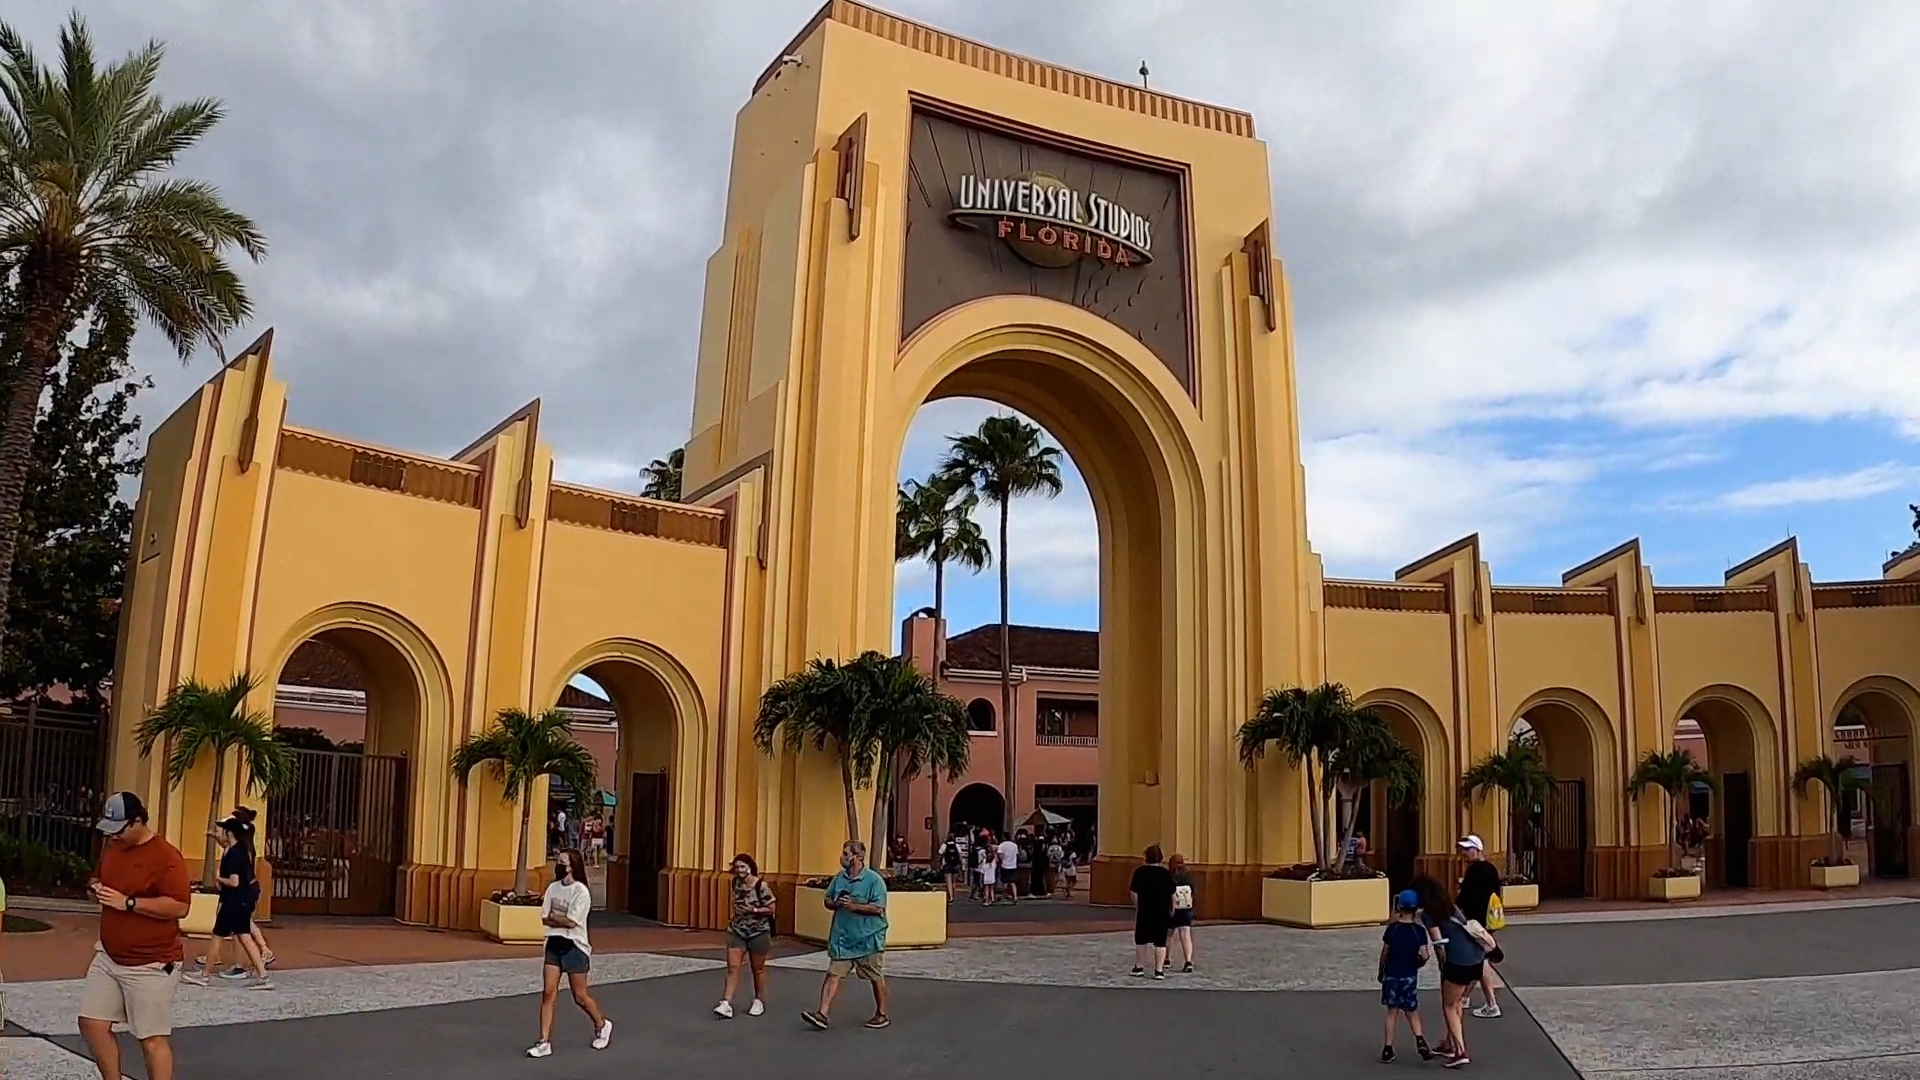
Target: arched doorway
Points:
(1400, 835)
(1576, 743)
(1743, 801)
(1119, 431)
(1875, 725)
(349, 702)
(640, 768)
(977, 805)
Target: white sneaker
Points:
(757, 1007)
(261, 983)
(1488, 1012)
(605, 1035)
(540, 1050)
(724, 1010)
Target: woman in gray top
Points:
(749, 935)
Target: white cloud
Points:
(1376, 502)
(1830, 488)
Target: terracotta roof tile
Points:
(1031, 646)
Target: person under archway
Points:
(569, 952)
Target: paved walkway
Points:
(1796, 989)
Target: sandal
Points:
(879, 1021)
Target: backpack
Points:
(1183, 898)
(1496, 913)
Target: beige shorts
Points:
(871, 967)
(140, 997)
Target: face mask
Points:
(740, 871)
(846, 862)
(560, 872)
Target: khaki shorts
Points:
(871, 967)
(140, 997)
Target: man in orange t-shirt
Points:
(141, 886)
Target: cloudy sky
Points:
(1565, 273)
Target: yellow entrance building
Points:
(913, 216)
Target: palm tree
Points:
(1839, 780)
(663, 477)
(1522, 774)
(1372, 754)
(1322, 733)
(518, 749)
(1005, 459)
(89, 221)
(934, 521)
(1674, 772)
(902, 718)
(814, 706)
(198, 719)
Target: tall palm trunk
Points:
(878, 853)
(526, 830)
(49, 284)
(939, 667)
(1673, 826)
(210, 864)
(846, 785)
(1007, 733)
(1317, 819)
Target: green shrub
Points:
(26, 864)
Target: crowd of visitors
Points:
(1035, 863)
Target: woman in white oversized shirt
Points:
(563, 911)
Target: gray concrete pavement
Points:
(941, 1029)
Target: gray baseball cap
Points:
(123, 808)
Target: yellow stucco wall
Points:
(477, 583)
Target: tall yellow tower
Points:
(915, 216)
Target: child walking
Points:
(1403, 952)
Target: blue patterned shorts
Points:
(1401, 992)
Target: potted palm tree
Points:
(1521, 774)
(198, 721)
(871, 711)
(517, 750)
(1338, 748)
(934, 521)
(1673, 772)
(1006, 459)
(1839, 780)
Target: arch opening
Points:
(351, 704)
(1729, 734)
(1875, 725)
(977, 805)
(1114, 425)
(1558, 835)
(629, 714)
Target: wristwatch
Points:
(129, 903)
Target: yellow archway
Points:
(1409, 711)
(1740, 735)
(1125, 421)
(1577, 739)
(409, 706)
(1890, 708)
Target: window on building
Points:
(980, 715)
(1068, 722)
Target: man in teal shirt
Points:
(857, 943)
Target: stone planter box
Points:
(1835, 877)
(1520, 897)
(512, 924)
(1318, 905)
(1674, 889)
(201, 908)
(915, 920)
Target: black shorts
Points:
(234, 917)
(565, 955)
(1462, 974)
(1182, 917)
(1150, 932)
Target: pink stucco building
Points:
(1055, 728)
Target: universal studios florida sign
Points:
(1050, 224)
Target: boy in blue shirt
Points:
(1403, 952)
(857, 943)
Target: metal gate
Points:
(1562, 839)
(336, 837)
(52, 767)
(1892, 817)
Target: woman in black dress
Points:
(1152, 889)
